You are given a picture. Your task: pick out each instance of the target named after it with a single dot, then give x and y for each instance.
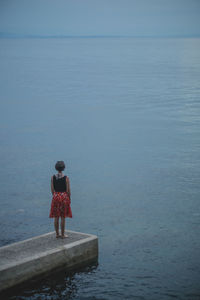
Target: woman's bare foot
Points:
(58, 236)
(64, 236)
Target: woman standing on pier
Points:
(60, 205)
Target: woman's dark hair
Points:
(60, 165)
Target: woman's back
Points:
(59, 183)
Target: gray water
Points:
(124, 114)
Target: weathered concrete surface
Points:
(39, 255)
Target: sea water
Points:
(124, 115)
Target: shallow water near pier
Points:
(124, 114)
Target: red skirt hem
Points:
(60, 206)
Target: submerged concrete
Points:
(27, 259)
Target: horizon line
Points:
(19, 35)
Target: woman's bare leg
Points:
(56, 226)
(63, 227)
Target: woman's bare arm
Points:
(68, 186)
(52, 187)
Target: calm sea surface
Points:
(124, 114)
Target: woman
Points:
(60, 205)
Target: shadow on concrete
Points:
(60, 284)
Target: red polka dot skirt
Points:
(60, 205)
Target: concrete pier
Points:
(39, 255)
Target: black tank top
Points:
(59, 184)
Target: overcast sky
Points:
(101, 17)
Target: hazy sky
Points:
(100, 17)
